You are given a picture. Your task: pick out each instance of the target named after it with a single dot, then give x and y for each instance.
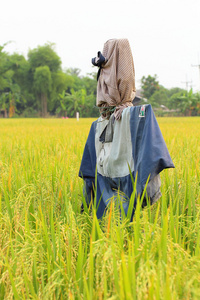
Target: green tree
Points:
(61, 109)
(90, 109)
(73, 72)
(186, 102)
(38, 58)
(90, 84)
(21, 84)
(6, 81)
(76, 79)
(70, 103)
(158, 98)
(75, 102)
(149, 86)
(44, 56)
(175, 100)
(61, 82)
(42, 85)
(6, 73)
(175, 90)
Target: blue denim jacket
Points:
(148, 152)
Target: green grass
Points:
(49, 250)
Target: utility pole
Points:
(198, 66)
(191, 85)
(187, 83)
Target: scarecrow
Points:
(125, 143)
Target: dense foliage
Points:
(37, 86)
(174, 101)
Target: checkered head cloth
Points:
(116, 83)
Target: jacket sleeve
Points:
(88, 164)
(150, 152)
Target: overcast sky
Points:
(164, 34)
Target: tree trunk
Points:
(44, 105)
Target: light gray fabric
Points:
(114, 158)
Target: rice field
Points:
(49, 250)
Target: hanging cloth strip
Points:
(98, 61)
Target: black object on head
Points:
(98, 61)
